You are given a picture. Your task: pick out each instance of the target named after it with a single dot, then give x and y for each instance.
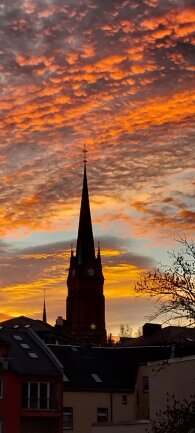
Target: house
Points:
(31, 380)
(105, 384)
(167, 381)
(175, 377)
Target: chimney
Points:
(151, 329)
(59, 321)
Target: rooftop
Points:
(27, 354)
(105, 368)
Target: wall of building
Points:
(14, 419)
(176, 377)
(40, 425)
(121, 428)
(10, 403)
(123, 407)
(85, 405)
(142, 394)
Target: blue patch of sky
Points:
(38, 238)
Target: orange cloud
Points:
(88, 51)
(188, 215)
(127, 26)
(142, 68)
(72, 58)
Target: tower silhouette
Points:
(85, 304)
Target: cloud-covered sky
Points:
(117, 76)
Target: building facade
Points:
(105, 385)
(31, 382)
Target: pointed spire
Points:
(85, 243)
(44, 310)
(99, 254)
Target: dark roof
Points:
(44, 330)
(3, 342)
(37, 325)
(115, 368)
(167, 335)
(27, 354)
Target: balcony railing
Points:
(40, 403)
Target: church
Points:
(85, 303)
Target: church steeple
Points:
(85, 250)
(85, 304)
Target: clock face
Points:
(73, 273)
(90, 272)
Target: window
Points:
(32, 355)
(1, 390)
(17, 337)
(24, 346)
(145, 384)
(96, 377)
(102, 414)
(124, 399)
(37, 395)
(65, 378)
(67, 418)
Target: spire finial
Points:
(85, 155)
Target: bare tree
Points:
(125, 331)
(178, 417)
(173, 286)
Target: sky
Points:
(118, 77)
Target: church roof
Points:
(85, 242)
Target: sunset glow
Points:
(118, 77)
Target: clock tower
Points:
(85, 304)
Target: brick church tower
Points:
(85, 304)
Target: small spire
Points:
(99, 254)
(44, 310)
